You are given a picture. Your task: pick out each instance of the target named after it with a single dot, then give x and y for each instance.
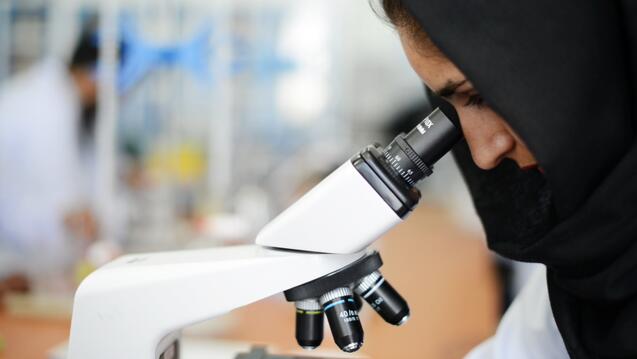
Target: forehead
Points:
(433, 67)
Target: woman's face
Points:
(489, 137)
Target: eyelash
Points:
(475, 100)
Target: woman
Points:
(544, 91)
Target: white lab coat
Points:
(528, 329)
(40, 168)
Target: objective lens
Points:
(339, 307)
(413, 155)
(383, 298)
(359, 302)
(309, 323)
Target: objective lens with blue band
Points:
(341, 311)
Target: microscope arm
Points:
(133, 306)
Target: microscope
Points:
(314, 252)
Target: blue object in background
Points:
(141, 57)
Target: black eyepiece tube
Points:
(412, 156)
(433, 137)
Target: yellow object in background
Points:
(184, 162)
(82, 269)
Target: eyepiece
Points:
(339, 307)
(309, 323)
(394, 171)
(412, 156)
(433, 137)
(385, 300)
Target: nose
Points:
(487, 152)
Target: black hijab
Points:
(562, 74)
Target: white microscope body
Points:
(135, 306)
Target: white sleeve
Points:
(527, 330)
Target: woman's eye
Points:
(474, 100)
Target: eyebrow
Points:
(449, 88)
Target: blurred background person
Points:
(47, 125)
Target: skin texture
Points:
(488, 135)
